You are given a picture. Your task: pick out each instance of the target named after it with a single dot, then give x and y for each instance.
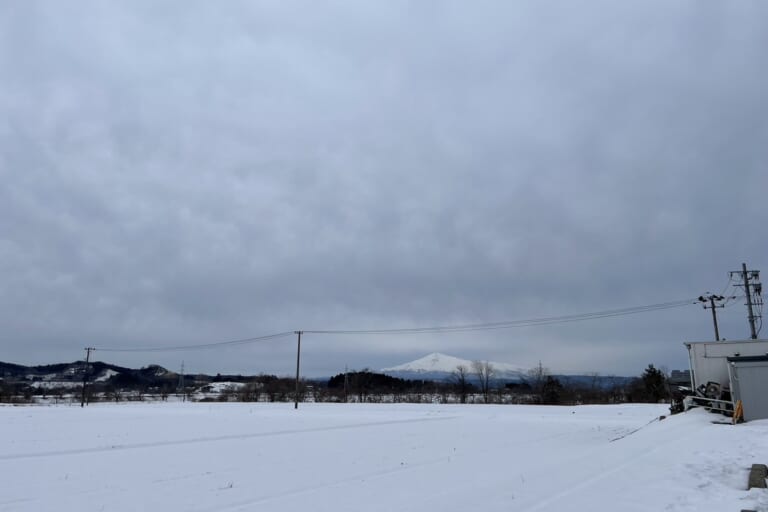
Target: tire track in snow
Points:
(370, 475)
(627, 434)
(196, 440)
(554, 498)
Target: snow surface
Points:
(56, 384)
(437, 362)
(108, 374)
(373, 457)
(220, 387)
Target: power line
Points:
(516, 323)
(200, 346)
(488, 326)
(727, 287)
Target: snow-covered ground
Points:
(352, 457)
(51, 384)
(221, 387)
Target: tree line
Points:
(467, 384)
(476, 384)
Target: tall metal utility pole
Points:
(298, 360)
(747, 276)
(749, 300)
(711, 299)
(85, 373)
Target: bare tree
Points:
(460, 378)
(484, 371)
(592, 394)
(538, 376)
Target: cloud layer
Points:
(195, 172)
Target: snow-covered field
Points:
(352, 457)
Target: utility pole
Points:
(181, 384)
(298, 361)
(751, 279)
(711, 298)
(85, 373)
(749, 301)
(346, 382)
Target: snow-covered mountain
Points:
(437, 366)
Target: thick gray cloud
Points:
(190, 172)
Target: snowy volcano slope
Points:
(441, 366)
(348, 457)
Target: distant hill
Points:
(440, 367)
(68, 374)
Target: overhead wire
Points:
(508, 324)
(727, 285)
(514, 323)
(729, 298)
(201, 346)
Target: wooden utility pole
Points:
(181, 388)
(711, 299)
(298, 361)
(346, 383)
(85, 373)
(714, 316)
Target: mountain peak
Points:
(437, 362)
(434, 362)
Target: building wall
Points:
(709, 358)
(749, 382)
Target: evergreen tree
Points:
(551, 392)
(655, 384)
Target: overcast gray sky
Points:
(183, 172)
